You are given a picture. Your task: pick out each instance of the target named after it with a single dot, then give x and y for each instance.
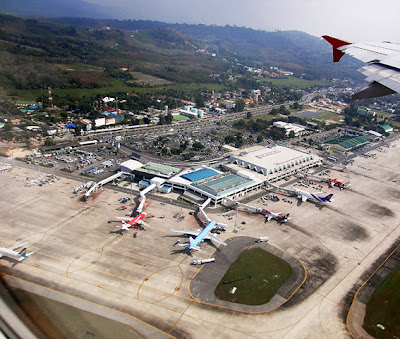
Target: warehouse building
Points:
(346, 143)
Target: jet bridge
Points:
(96, 186)
(205, 216)
(154, 183)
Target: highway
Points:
(160, 129)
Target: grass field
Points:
(57, 320)
(383, 308)
(149, 79)
(329, 116)
(180, 117)
(257, 275)
(293, 82)
(115, 86)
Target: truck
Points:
(204, 261)
(262, 239)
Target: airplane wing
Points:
(142, 222)
(382, 69)
(269, 217)
(195, 233)
(1, 256)
(124, 218)
(211, 236)
(17, 245)
(303, 198)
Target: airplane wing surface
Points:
(303, 198)
(382, 69)
(1, 256)
(269, 217)
(142, 222)
(214, 238)
(195, 233)
(17, 245)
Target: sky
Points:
(351, 20)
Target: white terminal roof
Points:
(130, 165)
(267, 160)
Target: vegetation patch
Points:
(383, 308)
(256, 274)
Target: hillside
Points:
(293, 50)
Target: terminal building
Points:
(203, 183)
(272, 164)
(245, 172)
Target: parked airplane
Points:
(9, 252)
(138, 220)
(304, 195)
(277, 216)
(382, 69)
(193, 244)
(337, 183)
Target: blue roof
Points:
(70, 126)
(110, 115)
(199, 175)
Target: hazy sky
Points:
(352, 20)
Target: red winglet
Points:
(336, 43)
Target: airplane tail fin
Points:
(327, 198)
(124, 226)
(23, 254)
(336, 43)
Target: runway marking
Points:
(91, 302)
(58, 225)
(164, 268)
(180, 317)
(94, 261)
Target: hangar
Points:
(273, 163)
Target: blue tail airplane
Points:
(193, 244)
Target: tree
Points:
(169, 118)
(199, 102)
(291, 134)
(197, 146)
(49, 142)
(260, 138)
(248, 115)
(240, 105)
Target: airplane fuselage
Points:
(203, 234)
(136, 219)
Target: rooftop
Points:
(348, 141)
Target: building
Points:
(272, 164)
(372, 135)
(297, 130)
(387, 128)
(208, 183)
(346, 143)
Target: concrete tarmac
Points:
(78, 253)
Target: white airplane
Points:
(9, 252)
(193, 244)
(382, 69)
(277, 216)
(304, 195)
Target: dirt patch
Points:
(393, 194)
(351, 231)
(320, 265)
(378, 210)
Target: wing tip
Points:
(336, 43)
